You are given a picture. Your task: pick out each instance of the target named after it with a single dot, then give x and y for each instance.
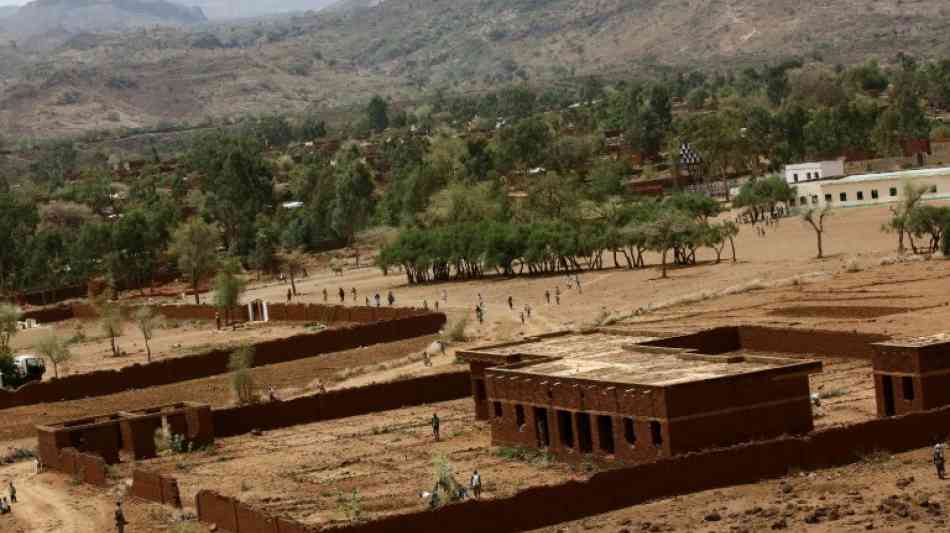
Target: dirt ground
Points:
(174, 339)
(882, 493)
(388, 457)
(309, 472)
(290, 379)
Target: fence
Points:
(156, 488)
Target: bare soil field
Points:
(290, 379)
(310, 472)
(882, 493)
(93, 350)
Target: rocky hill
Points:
(406, 48)
(42, 16)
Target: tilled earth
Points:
(311, 472)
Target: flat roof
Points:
(902, 174)
(622, 359)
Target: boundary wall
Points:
(343, 403)
(84, 467)
(215, 362)
(328, 314)
(617, 489)
(821, 343)
(156, 488)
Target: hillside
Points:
(233, 9)
(405, 48)
(42, 16)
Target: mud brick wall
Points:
(779, 340)
(342, 403)
(84, 467)
(617, 489)
(813, 342)
(155, 488)
(215, 362)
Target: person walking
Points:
(938, 459)
(353, 293)
(120, 521)
(325, 295)
(511, 303)
(527, 310)
(12, 493)
(522, 318)
(479, 315)
(435, 426)
(342, 296)
(290, 295)
(547, 296)
(391, 298)
(377, 299)
(476, 485)
(577, 281)
(436, 306)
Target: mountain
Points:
(237, 9)
(404, 49)
(42, 16)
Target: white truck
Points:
(27, 367)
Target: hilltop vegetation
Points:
(406, 49)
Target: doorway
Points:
(888, 383)
(541, 421)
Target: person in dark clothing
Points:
(12, 493)
(353, 293)
(120, 520)
(325, 295)
(435, 426)
(392, 298)
(377, 299)
(342, 296)
(547, 297)
(479, 315)
(290, 295)
(217, 319)
(938, 460)
(511, 303)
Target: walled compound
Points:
(912, 375)
(611, 396)
(130, 432)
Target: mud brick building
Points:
(131, 433)
(611, 397)
(912, 375)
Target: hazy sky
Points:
(13, 2)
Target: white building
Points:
(872, 189)
(803, 172)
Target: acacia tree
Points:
(54, 349)
(901, 213)
(815, 217)
(110, 317)
(194, 243)
(147, 320)
(293, 263)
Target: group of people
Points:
(475, 482)
(390, 297)
(6, 505)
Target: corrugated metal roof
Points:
(900, 175)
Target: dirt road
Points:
(48, 502)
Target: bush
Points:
(456, 330)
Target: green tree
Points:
(194, 244)
(353, 195)
(377, 113)
(9, 316)
(242, 383)
(228, 287)
(55, 349)
(18, 220)
(55, 162)
(237, 184)
(112, 323)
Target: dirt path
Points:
(46, 503)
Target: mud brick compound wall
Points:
(215, 362)
(616, 489)
(156, 488)
(333, 405)
(778, 340)
(84, 467)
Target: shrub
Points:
(241, 381)
(945, 242)
(456, 331)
